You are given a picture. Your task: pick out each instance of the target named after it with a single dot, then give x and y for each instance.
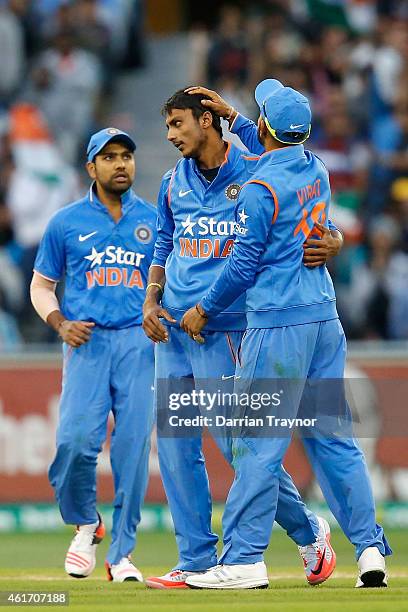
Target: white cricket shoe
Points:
(371, 569)
(319, 558)
(80, 559)
(176, 579)
(124, 571)
(251, 576)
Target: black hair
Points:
(182, 100)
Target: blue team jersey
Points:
(196, 225)
(105, 264)
(247, 131)
(277, 208)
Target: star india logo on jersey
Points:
(220, 245)
(102, 275)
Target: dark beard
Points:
(116, 190)
(195, 154)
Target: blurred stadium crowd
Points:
(59, 62)
(350, 57)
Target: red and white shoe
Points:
(80, 559)
(124, 571)
(176, 579)
(319, 558)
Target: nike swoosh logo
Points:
(293, 127)
(319, 568)
(184, 193)
(81, 238)
(223, 377)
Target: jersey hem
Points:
(298, 315)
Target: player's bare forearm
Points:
(152, 309)
(318, 252)
(45, 302)
(155, 284)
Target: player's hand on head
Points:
(215, 103)
(317, 251)
(152, 326)
(75, 333)
(192, 323)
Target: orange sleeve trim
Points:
(272, 191)
(251, 157)
(169, 187)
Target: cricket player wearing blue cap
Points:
(102, 245)
(195, 231)
(293, 332)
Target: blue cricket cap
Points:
(101, 139)
(286, 112)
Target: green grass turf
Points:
(35, 562)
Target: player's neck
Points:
(112, 201)
(212, 154)
(271, 144)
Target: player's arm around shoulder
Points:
(253, 222)
(256, 212)
(253, 215)
(318, 251)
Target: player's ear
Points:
(206, 120)
(262, 129)
(90, 167)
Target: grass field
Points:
(34, 562)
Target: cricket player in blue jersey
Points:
(293, 331)
(103, 246)
(195, 235)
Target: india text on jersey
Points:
(113, 276)
(217, 246)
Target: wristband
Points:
(201, 311)
(155, 285)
